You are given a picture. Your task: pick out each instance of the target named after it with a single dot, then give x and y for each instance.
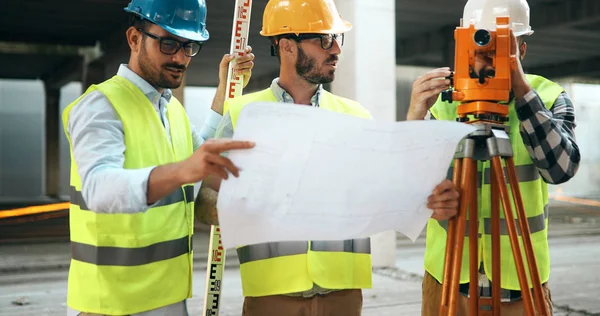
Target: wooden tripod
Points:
(489, 142)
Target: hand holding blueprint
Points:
(319, 175)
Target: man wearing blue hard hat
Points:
(134, 160)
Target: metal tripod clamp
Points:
(487, 141)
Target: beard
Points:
(307, 68)
(157, 77)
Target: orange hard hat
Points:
(302, 16)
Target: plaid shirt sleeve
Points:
(549, 136)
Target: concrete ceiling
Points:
(40, 39)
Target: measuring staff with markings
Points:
(235, 84)
(135, 159)
(311, 277)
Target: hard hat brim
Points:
(517, 34)
(189, 35)
(336, 30)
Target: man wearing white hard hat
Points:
(542, 124)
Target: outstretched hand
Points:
(208, 161)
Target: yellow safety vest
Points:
(289, 267)
(535, 199)
(129, 263)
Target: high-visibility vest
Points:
(290, 267)
(535, 199)
(128, 263)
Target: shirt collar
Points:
(146, 88)
(282, 96)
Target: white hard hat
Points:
(483, 14)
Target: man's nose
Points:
(481, 63)
(180, 57)
(335, 49)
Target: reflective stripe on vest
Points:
(175, 197)
(536, 224)
(116, 256)
(289, 248)
(525, 173)
(362, 245)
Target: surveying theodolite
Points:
(481, 95)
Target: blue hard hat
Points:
(183, 18)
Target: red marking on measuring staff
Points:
(238, 28)
(242, 11)
(232, 89)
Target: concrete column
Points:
(52, 161)
(367, 74)
(93, 73)
(178, 93)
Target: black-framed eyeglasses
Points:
(326, 39)
(170, 46)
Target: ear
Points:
(522, 49)
(287, 47)
(134, 39)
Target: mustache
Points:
(332, 59)
(174, 65)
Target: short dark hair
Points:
(139, 23)
(275, 46)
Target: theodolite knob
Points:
(447, 96)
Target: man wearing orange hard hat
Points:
(542, 134)
(306, 277)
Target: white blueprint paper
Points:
(319, 175)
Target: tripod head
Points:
(481, 93)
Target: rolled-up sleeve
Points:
(98, 144)
(225, 128)
(207, 130)
(549, 136)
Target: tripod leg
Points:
(466, 176)
(473, 243)
(512, 233)
(450, 240)
(496, 279)
(525, 232)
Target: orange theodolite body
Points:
(481, 97)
